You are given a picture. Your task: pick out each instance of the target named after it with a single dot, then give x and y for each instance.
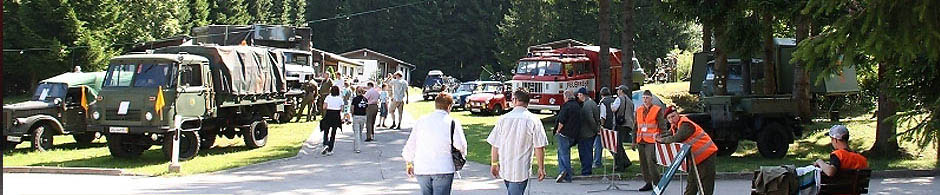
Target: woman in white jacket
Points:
(428, 150)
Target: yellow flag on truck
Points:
(158, 105)
(84, 101)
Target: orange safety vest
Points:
(849, 160)
(647, 122)
(702, 145)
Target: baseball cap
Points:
(839, 132)
(582, 90)
(623, 87)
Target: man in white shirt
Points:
(427, 152)
(399, 99)
(516, 135)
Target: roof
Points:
(339, 57)
(560, 43)
(380, 54)
(435, 72)
(72, 79)
(168, 57)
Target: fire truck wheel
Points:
(126, 146)
(256, 135)
(42, 137)
(189, 145)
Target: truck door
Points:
(191, 91)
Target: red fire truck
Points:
(547, 73)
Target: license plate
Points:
(117, 129)
(475, 110)
(13, 138)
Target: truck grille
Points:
(132, 115)
(533, 87)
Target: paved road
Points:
(377, 170)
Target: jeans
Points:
(358, 123)
(329, 137)
(586, 154)
(436, 184)
(598, 151)
(516, 188)
(564, 155)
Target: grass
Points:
(16, 98)
(284, 140)
(813, 145)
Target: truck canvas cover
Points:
(240, 70)
(73, 79)
(254, 35)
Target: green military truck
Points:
(54, 109)
(771, 120)
(210, 91)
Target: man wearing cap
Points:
(703, 150)
(567, 130)
(649, 120)
(842, 158)
(589, 129)
(399, 98)
(624, 123)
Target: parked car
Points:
(491, 97)
(464, 91)
(55, 109)
(433, 84)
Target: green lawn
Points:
(813, 145)
(284, 140)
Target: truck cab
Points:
(56, 108)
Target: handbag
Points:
(459, 160)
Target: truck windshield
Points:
(539, 68)
(48, 91)
(296, 58)
(140, 75)
(433, 79)
(467, 87)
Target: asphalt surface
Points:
(379, 169)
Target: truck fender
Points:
(37, 119)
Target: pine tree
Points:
(229, 12)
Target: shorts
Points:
(397, 106)
(383, 110)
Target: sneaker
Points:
(357, 151)
(646, 187)
(330, 153)
(561, 178)
(391, 127)
(369, 140)
(596, 166)
(324, 151)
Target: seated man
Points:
(842, 158)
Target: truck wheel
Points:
(206, 139)
(283, 117)
(773, 141)
(189, 145)
(256, 135)
(84, 139)
(726, 148)
(126, 146)
(42, 138)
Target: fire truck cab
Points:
(547, 74)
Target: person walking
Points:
(649, 120)
(359, 111)
(399, 99)
(622, 121)
(383, 104)
(703, 150)
(588, 134)
(427, 152)
(372, 109)
(515, 136)
(332, 122)
(567, 131)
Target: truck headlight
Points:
(96, 115)
(148, 116)
(16, 122)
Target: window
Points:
(153, 75)
(191, 76)
(119, 75)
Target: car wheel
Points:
(256, 135)
(43, 137)
(85, 138)
(126, 146)
(773, 141)
(189, 145)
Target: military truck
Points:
(56, 108)
(212, 91)
(771, 120)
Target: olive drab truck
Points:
(213, 91)
(771, 120)
(58, 107)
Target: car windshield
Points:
(48, 91)
(491, 88)
(539, 68)
(467, 87)
(140, 75)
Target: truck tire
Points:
(284, 117)
(773, 141)
(207, 139)
(189, 145)
(84, 139)
(726, 148)
(126, 146)
(256, 135)
(43, 137)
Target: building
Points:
(384, 64)
(330, 62)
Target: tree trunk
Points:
(627, 41)
(770, 73)
(706, 37)
(886, 141)
(721, 59)
(800, 76)
(604, 29)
